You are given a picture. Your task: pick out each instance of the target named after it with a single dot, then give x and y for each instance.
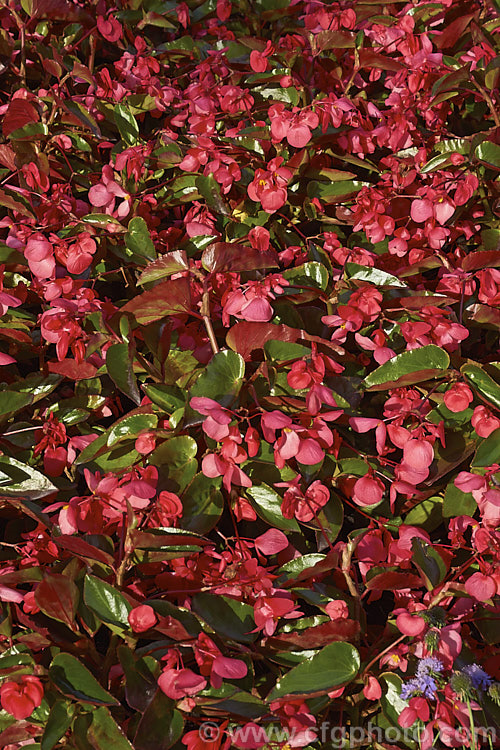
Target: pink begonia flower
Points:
(105, 193)
(364, 424)
(481, 587)
(295, 126)
(259, 238)
(258, 60)
(110, 28)
(458, 397)
(337, 610)
(213, 465)
(418, 455)
(269, 185)
(80, 253)
(269, 609)
(484, 421)
(216, 424)
(20, 698)
(142, 618)
(179, 683)
(271, 542)
(409, 624)
(418, 708)
(223, 11)
(6, 359)
(368, 490)
(372, 690)
(40, 256)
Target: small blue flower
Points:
(479, 678)
(429, 664)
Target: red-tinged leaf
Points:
(333, 40)
(223, 256)
(416, 302)
(173, 629)
(247, 337)
(7, 157)
(73, 370)
(159, 538)
(9, 202)
(369, 59)
(57, 596)
(392, 580)
(481, 259)
(483, 314)
(19, 113)
(452, 32)
(163, 266)
(81, 548)
(60, 10)
(316, 637)
(171, 297)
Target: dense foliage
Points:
(250, 401)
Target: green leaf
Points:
(222, 378)
(12, 402)
(267, 504)
(59, 721)
(428, 562)
(104, 733)
(333, 192)
(138, 239)
(408, 368)
(161, 725)
(106, 602)
(167, 397)
(202, 504)
(228, 617)
(457, 503)
(20, 480)
(177, 457)
(129, 427)
(428, 514)
(311, 274)
(373, 275)
(335, 665)
(283, 351)
(489, 153)
(126, 124)
(482, 383)
(121, 372)
(488, 452)
(75, 681)
(391, 701)
(83, 115)
(141, 683)
(210, 190)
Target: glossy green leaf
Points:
(106, 602)
(482, 383)
(59, 721)
(75, 681)
(391, 701)
(408, 368)
(167, 397)
(311, 274)
(177, 459)
(283, 351)
(202, 504)
(267, 504)
(121, 372)
(126, 124)
(428, 513)
(129, 427)
(429, 563)
(141, 684)
(488, 451)
(222, 378)
(489, 153)
(336, 664)
(372, 275)
(19, 480)
(12, 402)
(104, 733)
(228, 617)
(458, 503)
(138, 239)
